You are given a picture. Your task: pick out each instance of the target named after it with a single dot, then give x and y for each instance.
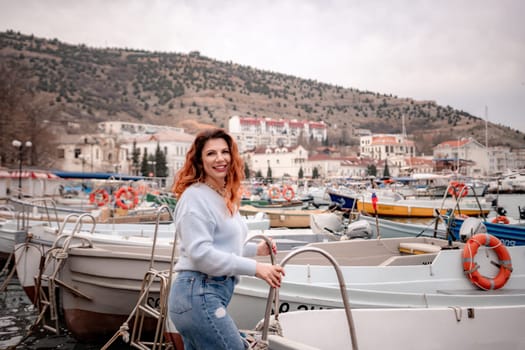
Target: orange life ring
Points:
(274, 192)
(457, 189)
(471, 268)
(129, 194)
(288, 193)
(502, 219)
(99, 196)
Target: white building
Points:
(89, 153)
(283, 161)
(465, 156)
(251, 133)
(174, 145)
(113, 152)
(121, 128)
(385, 146)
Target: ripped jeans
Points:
(197, 308)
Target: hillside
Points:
(88, 85)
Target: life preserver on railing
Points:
(288, 193)
(126, 198)
(100, 197)
(502, 219)
(274, 192)
(471, 268)
(457, 189)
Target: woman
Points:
(212, 250)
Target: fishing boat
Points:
(419, 272)
(393, 204)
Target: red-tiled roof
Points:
(453, 143)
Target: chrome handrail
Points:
(342, 288)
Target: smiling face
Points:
(216, 160)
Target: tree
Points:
(315, 173)
(301, 173)
(269, 174)
(386, 171)
(161, 167)
(258, 174)
(22, 114)
(372, 170)
(246, 171)
(135, 156)
(144, 164)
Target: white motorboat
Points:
(454, 327)
(382, 273)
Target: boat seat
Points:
(418, 248)
(412, 259)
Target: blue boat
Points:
(508, 234)
(343, 199)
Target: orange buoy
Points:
(288, 193)
(457, 189)
(129, 198)
(99, 196)
(274, 192)
(471, 268)
(502, 219)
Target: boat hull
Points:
(508, 234)
(113, 280)
(413, 210)
(439, 328)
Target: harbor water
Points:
(17, 313)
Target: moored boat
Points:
(291, 218)
(382, 273)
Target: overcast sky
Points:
(466, 54)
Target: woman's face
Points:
(216, 160)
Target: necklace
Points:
(220, 191)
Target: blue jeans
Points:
(197, 308)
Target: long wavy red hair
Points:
(193, 170)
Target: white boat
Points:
(447, 327)
(454, 327)
(513, 181)
(380, 274)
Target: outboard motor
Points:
(358, 229)
(501, 211)
(522, 212)
(470, 227)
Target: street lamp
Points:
(20, 146)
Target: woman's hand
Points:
(272, 274)
(263, 249)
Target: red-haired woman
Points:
(212, 250)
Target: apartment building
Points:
(252, 132)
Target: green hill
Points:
(87, 85)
